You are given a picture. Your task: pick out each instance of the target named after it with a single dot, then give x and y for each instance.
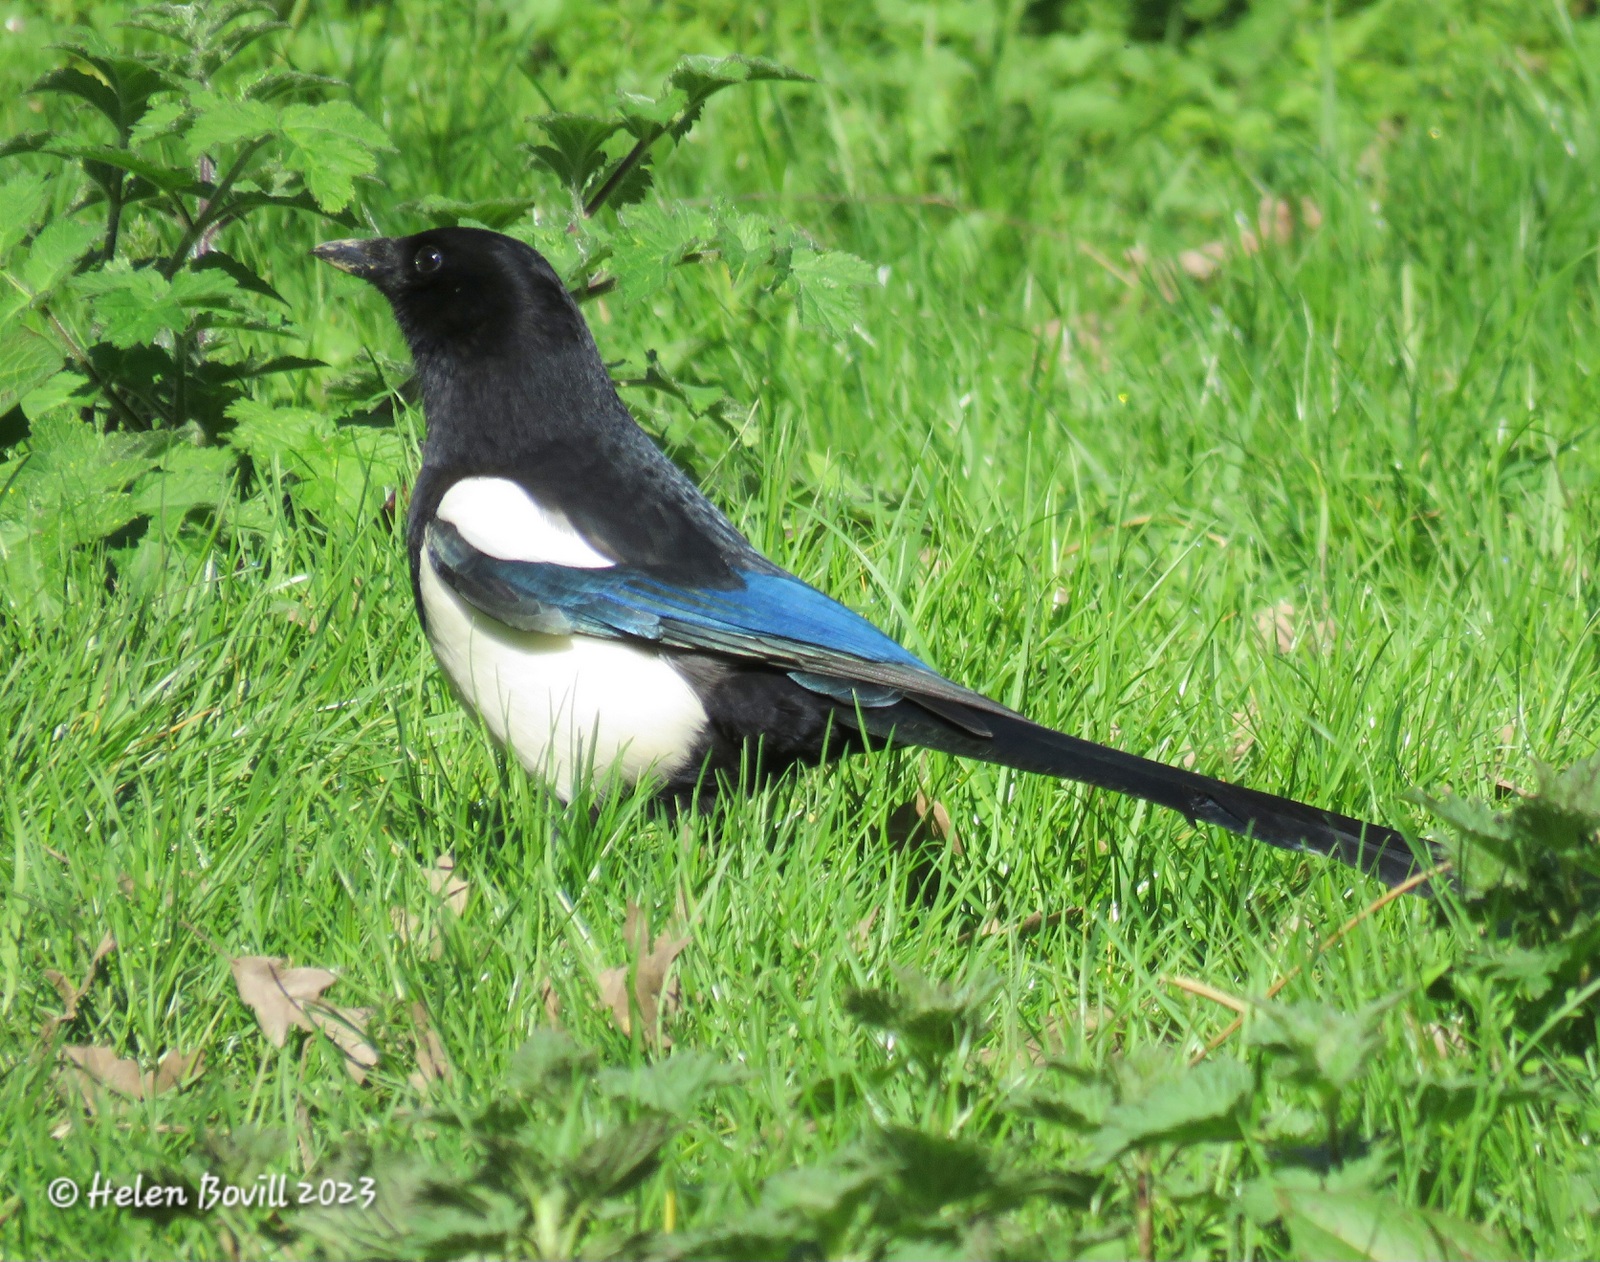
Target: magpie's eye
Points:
(428, 261)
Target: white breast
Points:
(560, 703)
(497, 516)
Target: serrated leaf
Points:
(1199, 1106)
(135, 306)
(1320, 1046)
(649, 243)
(827, 288)
(23, 199)
(159, 120)
(243, 277)
(620, 1159)
(54, 253)
(331, 145)
(1370, 1227)
(85, 87)
(220, 121)
(575, 152)
(700, 77)
(546, 1064)
(27, 360)
(674, 1086)
(494, 213)
(169, 179)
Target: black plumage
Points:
(515, 391)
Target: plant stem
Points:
(629, 160)
(213, 208)
(1146, 1217)
(113, 216)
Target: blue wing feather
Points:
(771, 617)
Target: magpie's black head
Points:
(464, 292)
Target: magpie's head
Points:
(464, 292)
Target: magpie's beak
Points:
(369, 259)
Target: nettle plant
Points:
(134, 315)
(605, 235)
(129, 330)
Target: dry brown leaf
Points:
(432, 1063)
(922, 816)
(1245, 722)
(451, 890)
(90, 1068)
(1276, 626)
(1275, 220)
(862, 933)
(1204, 263)
(102, 1067)
(551, 1001)
(347, 1028)
(176, 1070)
(72, 996)
(277, 994)
(652, 995)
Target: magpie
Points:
(603, 618)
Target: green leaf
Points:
(86, 87)
(674, 1086)
(331, 145)
(651, 241)
(161, 119)
(1201, 1105)
(54, 253)
(338, 473)
(574, 154)
(27, 360)
(700, 77)
(1370, 1227)
(1319, 1045)
(220, 121)
(620, 1159)
(169, 179)
(189, 477)
(495, 212)
(135, 306)
(826, 287)
(23, 198)
(243, 277)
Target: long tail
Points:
(1015, 742)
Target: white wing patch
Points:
(561, 703)
(498, 517)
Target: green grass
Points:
(1057, 483)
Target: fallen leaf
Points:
(1275, 220)
(552, 1002)
(1204, 263)
(862, 933)
(278, 995)
(432, 1063)
(452, 890)
(89, 1068)
(176, 1070)
(1275, 626)
(1245, 722)
(101, 1066)
(651, 994)
(72, 996)
(347, 1029)
(922, 816)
